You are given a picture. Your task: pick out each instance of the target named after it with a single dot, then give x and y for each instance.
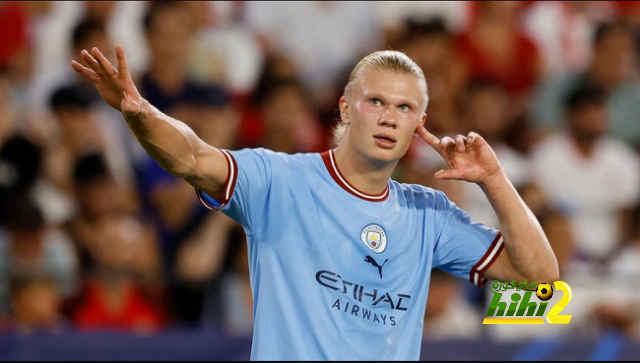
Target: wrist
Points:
(495, 181)
(142, 110)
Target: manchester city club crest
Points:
(374, 237)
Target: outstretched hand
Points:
(470, 157)
(114, 84)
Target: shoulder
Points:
(617, 152)
(617, 148)
(551, 145)
(421, 196)
(273, 158)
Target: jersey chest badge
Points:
(374, 237)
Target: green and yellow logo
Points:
(523, 309)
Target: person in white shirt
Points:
(592, 176)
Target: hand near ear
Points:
(470, 157)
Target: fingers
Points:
(472, 138)
(122, 60)
(450, 174)
(431, 139)
(106, 66)
(475, 139)
(84, 71)
(93, 64)
(446, 144)
(461, 143)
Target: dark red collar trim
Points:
(330, 162)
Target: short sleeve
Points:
(246, 188)
(464, 248)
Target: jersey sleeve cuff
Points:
(477, 272)
(229, 186)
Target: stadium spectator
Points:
(52, 28)
(590, 175)
(495, 48)
(430, 43)
(309, 31)
(8, 113)
(15, 43)
(556, 225)
(237, 306)
(290, 122)
(393, 16)
(449, 316)
(114, 297)
(224, 51)
(99, 198)
(613, 68)
(81, 133)
(276, 68)
(625, 264)
(36, 305)
(563, 30)
(484, 108)
(29, 247)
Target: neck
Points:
(367, 175)
(585, 145)
(497, 21)
(603, 76)
(166, 77)
(281, 141)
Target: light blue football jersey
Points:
(337, 274)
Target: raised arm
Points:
(529, 255)
(170, 142)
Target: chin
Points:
(386, 155)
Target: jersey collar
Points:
(332, 166)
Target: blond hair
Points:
(384, 60)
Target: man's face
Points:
(383, 108)
(589, 122)
(616, 55)
(169, 37)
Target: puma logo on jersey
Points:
(375, 264)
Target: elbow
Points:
(551, 273)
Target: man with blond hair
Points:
(340, 255)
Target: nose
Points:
(388, 118)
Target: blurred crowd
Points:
(95, 235)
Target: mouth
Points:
(385, 141)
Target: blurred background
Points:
(101, 248)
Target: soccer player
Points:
(340, 255)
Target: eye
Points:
(375, 101)
(404, 108)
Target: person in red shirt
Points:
(14, 42)
(494, 49)
(114, 297)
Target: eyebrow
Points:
(402, 102)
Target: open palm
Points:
(114, 84)
(470, 157)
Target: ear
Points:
(344, 109)
(423, 119)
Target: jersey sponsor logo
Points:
(375, 238)
(357, 301)
(372, 297)
(375, 264)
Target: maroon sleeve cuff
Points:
(229, 186)
(477, 272)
